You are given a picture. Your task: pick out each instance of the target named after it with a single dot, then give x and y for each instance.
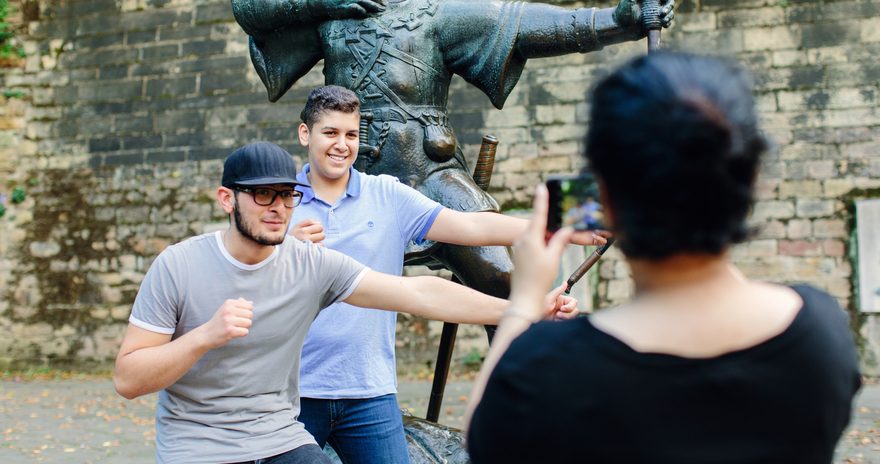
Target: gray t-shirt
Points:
(239, 402)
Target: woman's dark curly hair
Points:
(675, 140)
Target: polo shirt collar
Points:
(353, 189)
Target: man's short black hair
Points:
(328, 98)
(675, 140)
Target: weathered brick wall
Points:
(116, 123)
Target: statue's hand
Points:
(628, 15)
(341, 9)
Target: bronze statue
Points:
(399, 57)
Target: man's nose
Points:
(277, 202)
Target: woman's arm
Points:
(536, 264)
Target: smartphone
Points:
(574, 202)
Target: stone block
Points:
(570, 149)
(184, 34)
(99, 313)
(222, 83)
(120, 312)
(762, 247)
(768, 16)
(211, 13)
(98, 41)
(511, 117)
(800, 248)
(829, 34)
(187, 120)
(869, 29)
(559, 133)
(813, 208)
(808, 151)
(772, 38)
(554, 114)
(821, 169)
(133, 38)
(147, 20)
(771, 230)
(835, 248)
(830, 228)
(837, 187)
(773, 210)
(799, 228)
(213, 64)
(140, 142)
(204, 48)
(724, 42)
(785, 58)
(44, 249)
(159, 52)
(767, 189)
(861, 150)
(171, 87)
(800, 189)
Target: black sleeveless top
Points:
(568, 392)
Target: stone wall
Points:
(115, 125)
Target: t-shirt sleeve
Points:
(156, 307)
(415, 212)
(344, 275)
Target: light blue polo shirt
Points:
(349, 351)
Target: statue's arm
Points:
(547, 30)
(267, 15)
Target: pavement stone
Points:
(85, 421)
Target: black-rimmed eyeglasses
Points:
(264, 196)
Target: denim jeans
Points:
(306, 454)
(361, 431)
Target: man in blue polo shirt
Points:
(348, 379)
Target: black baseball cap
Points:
(260, 163)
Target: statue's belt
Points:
(390, 113)
(438, 142)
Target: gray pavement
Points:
(84, 421)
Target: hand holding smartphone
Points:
(574, 202)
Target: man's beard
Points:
(245, 230)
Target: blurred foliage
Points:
(18, 195)
(9, 48)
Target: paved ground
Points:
(84, 421)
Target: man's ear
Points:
(303, 132)
(226, 198)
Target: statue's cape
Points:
(477, 40)
(484, 51)
(283, 56)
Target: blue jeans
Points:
(361, 431)
(306, 454)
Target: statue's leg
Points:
(485, 269)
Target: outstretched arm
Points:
(489, 228)
(442, 300)
(552, 31)
(150, 361)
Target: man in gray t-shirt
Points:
(218, 316)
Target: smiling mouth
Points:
(337, 157)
